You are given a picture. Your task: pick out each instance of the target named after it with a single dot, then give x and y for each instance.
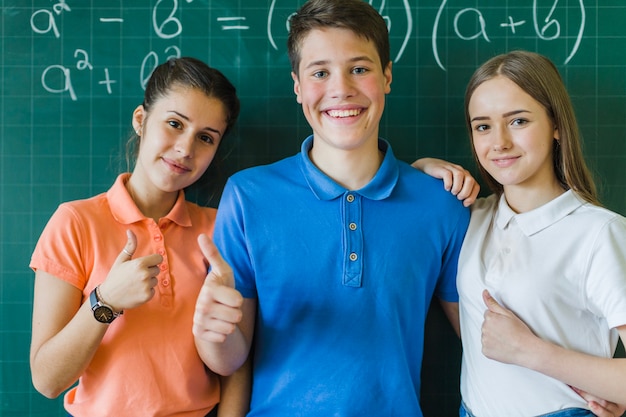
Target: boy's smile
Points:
(341, 87)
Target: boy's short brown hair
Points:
(355, 15)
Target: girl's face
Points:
(512, 135)
(179, 138)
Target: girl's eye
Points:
(519, 122)
(207, 139)
(174, 124)
(481, 128)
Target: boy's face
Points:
(341, 88)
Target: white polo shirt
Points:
(562, 269)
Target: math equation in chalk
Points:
(450, 22)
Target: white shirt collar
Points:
(538, 219)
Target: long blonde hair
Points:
(539, 78)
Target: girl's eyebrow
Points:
(209, 128)
(513, 112)
(507, 114)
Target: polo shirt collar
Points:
(325, 188)
(125, 210)
(540, 218)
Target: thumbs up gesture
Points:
(505, 337)
(218, 307)
(131, 282)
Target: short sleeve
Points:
(58, 250)
(606, 277)
(229, 236)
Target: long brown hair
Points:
(539, 78)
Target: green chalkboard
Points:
(72, 71)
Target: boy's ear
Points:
(388, 77)
(296, 86)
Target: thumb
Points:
(129, 249)
(221, 272)
(492, 304)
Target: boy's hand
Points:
(218, 307)
(456, 179)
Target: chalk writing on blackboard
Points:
(546, 27)
(462, 23)
(406, 26)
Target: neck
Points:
(523, 199)
(154, 205)
(352, 169)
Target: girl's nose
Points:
(502, 140)
(184, 144)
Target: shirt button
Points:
(350, 198)
(161, 252)
(158, 238)
(353, 256)
(352, 226)
(165, 282)
(162, 267)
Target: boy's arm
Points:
(235, 392)
(223, 322)
(451, 310)
(456, 179)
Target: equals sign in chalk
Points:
(111, 20)
(233, 26)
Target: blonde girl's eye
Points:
(519, 122)
(481, 127)
(175, 124)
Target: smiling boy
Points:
(336, 251)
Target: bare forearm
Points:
(59, 362)
(451, 310)
(602, 377)
(235, 394)
(224, 358)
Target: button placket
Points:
(164, 286)
(353, 238)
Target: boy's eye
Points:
(319, 74)
(359, 70)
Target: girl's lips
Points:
(176, 167)
(505, 161)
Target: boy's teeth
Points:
(343, 113)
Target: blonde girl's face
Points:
(179, 138)
(512, 134)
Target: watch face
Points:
(103, 314)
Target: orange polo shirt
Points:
(147, 363)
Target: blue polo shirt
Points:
(343, 281)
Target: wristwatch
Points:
(102, 312)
